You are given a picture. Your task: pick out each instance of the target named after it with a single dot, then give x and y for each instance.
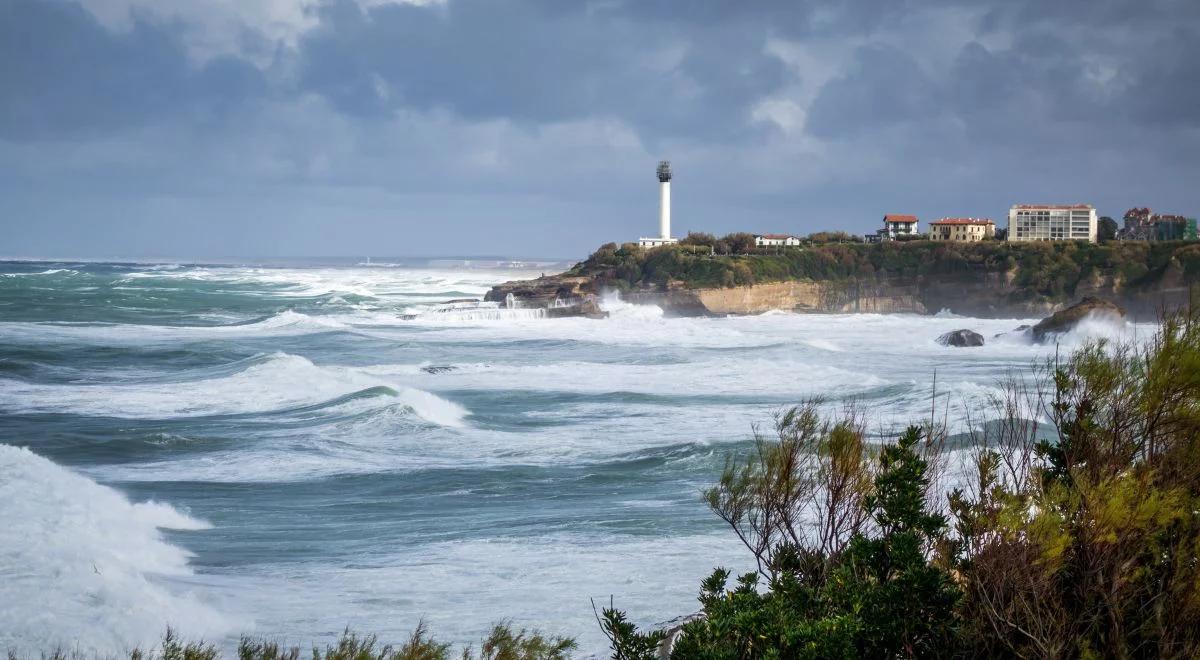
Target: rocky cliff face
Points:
(790, 296)
(987, 296)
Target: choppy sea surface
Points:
(290, 450)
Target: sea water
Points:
(289, 451)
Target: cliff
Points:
(985, 280)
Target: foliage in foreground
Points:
(503, 643)
(1083, 546)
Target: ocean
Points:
(294, 449)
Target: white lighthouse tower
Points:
(664, 208)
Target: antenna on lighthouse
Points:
(664, 171)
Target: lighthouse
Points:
(664, 208)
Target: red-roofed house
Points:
(896, 225)
(774, 240)
(962, 229)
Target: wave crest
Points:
(274, 382)
(85, 568)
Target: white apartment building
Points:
(961, 229)
(1052, 222)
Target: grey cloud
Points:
(883, 87)
(524, 62)
(404, 121)
(62, 73)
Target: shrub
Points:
(843, 542)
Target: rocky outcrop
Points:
(961, 338)
(561, 296)
(587, 308)
(543, 291)
(1065, 320)
(984, 295)
(1020, 329)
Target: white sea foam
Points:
(82, 567)
(284, 323)
(547, 582)
(277, 382)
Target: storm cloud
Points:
(531, 127)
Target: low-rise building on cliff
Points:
(964, 230)
(775, 240)
(1052, 222)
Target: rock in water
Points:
(437, 368)
(961, 338)
(1065, 320)
(1019, 329)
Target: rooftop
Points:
(895, 217)
(1053, 206)
(776, 236)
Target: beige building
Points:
(961, 229)
(1052, 222)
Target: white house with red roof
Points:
(895, 225)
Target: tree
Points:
(698, 238)
(1106, 229)
(740, 242)
(845, 555)
(1083, 543)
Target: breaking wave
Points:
(271, 383)
(83, 567)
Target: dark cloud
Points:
(407, 120)
(63, 74)
(530, 61)
(883, 87)
(1052, 76)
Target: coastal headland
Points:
(989, 279)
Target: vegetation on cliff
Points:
(1077, 540)
(1052, 271)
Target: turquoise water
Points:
(230, 448)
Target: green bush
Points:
(860, 585)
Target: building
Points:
(962, 229)
(1052, 222)
(664, 209)
(896, 225)
(776, 240)
(1175, 228)
(1142, 224)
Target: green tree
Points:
(1106, 229)
(858, 583)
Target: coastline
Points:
(668, 279)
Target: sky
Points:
(208, 128)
